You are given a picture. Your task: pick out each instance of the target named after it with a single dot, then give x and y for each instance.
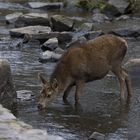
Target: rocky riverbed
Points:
(26, 45)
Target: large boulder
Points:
(121, 5)
(30, 30)
(133, 31)
(45, 5)
(32, 19)
(7, 90)
(13, 129)
(41, 33)
(62, 23)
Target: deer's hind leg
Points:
(128, 82)
(119, 72)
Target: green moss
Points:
(90, 4)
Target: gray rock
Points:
(7, 90)
(121, 5)
(99, 18)
(45, 5)
(133, 31)
(64, 37)
(62, 23)
(97, 136)
(24, 95)
(51, 44)
(30, 31)
(32, 19)
(11, 18)
(93, 34)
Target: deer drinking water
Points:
(88, 62)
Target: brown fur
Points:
(88, 62)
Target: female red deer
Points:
(88, 62)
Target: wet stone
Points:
(30, 31)
(49, 56)
(121, 5)
(11, 18)
(51, 44)
(86, 27)
(62, 23)
(99, 18)
(32, 19)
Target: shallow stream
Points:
(99, 110)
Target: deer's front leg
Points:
(79, 88)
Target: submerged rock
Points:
(50, 44)
(45, 5)
(97, 136)
(62, 23)
(11, 18)
(99, 18)
(24, 95)
(32, 19)
(7, 90)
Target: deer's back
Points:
(94, 58)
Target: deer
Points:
(84, 63)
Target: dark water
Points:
(99, 110)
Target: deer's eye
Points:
(48, 96)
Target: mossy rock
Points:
(90, 4)
(134, 7)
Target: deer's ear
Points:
(54, 84)
(42, 79)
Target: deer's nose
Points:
(39, 106)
